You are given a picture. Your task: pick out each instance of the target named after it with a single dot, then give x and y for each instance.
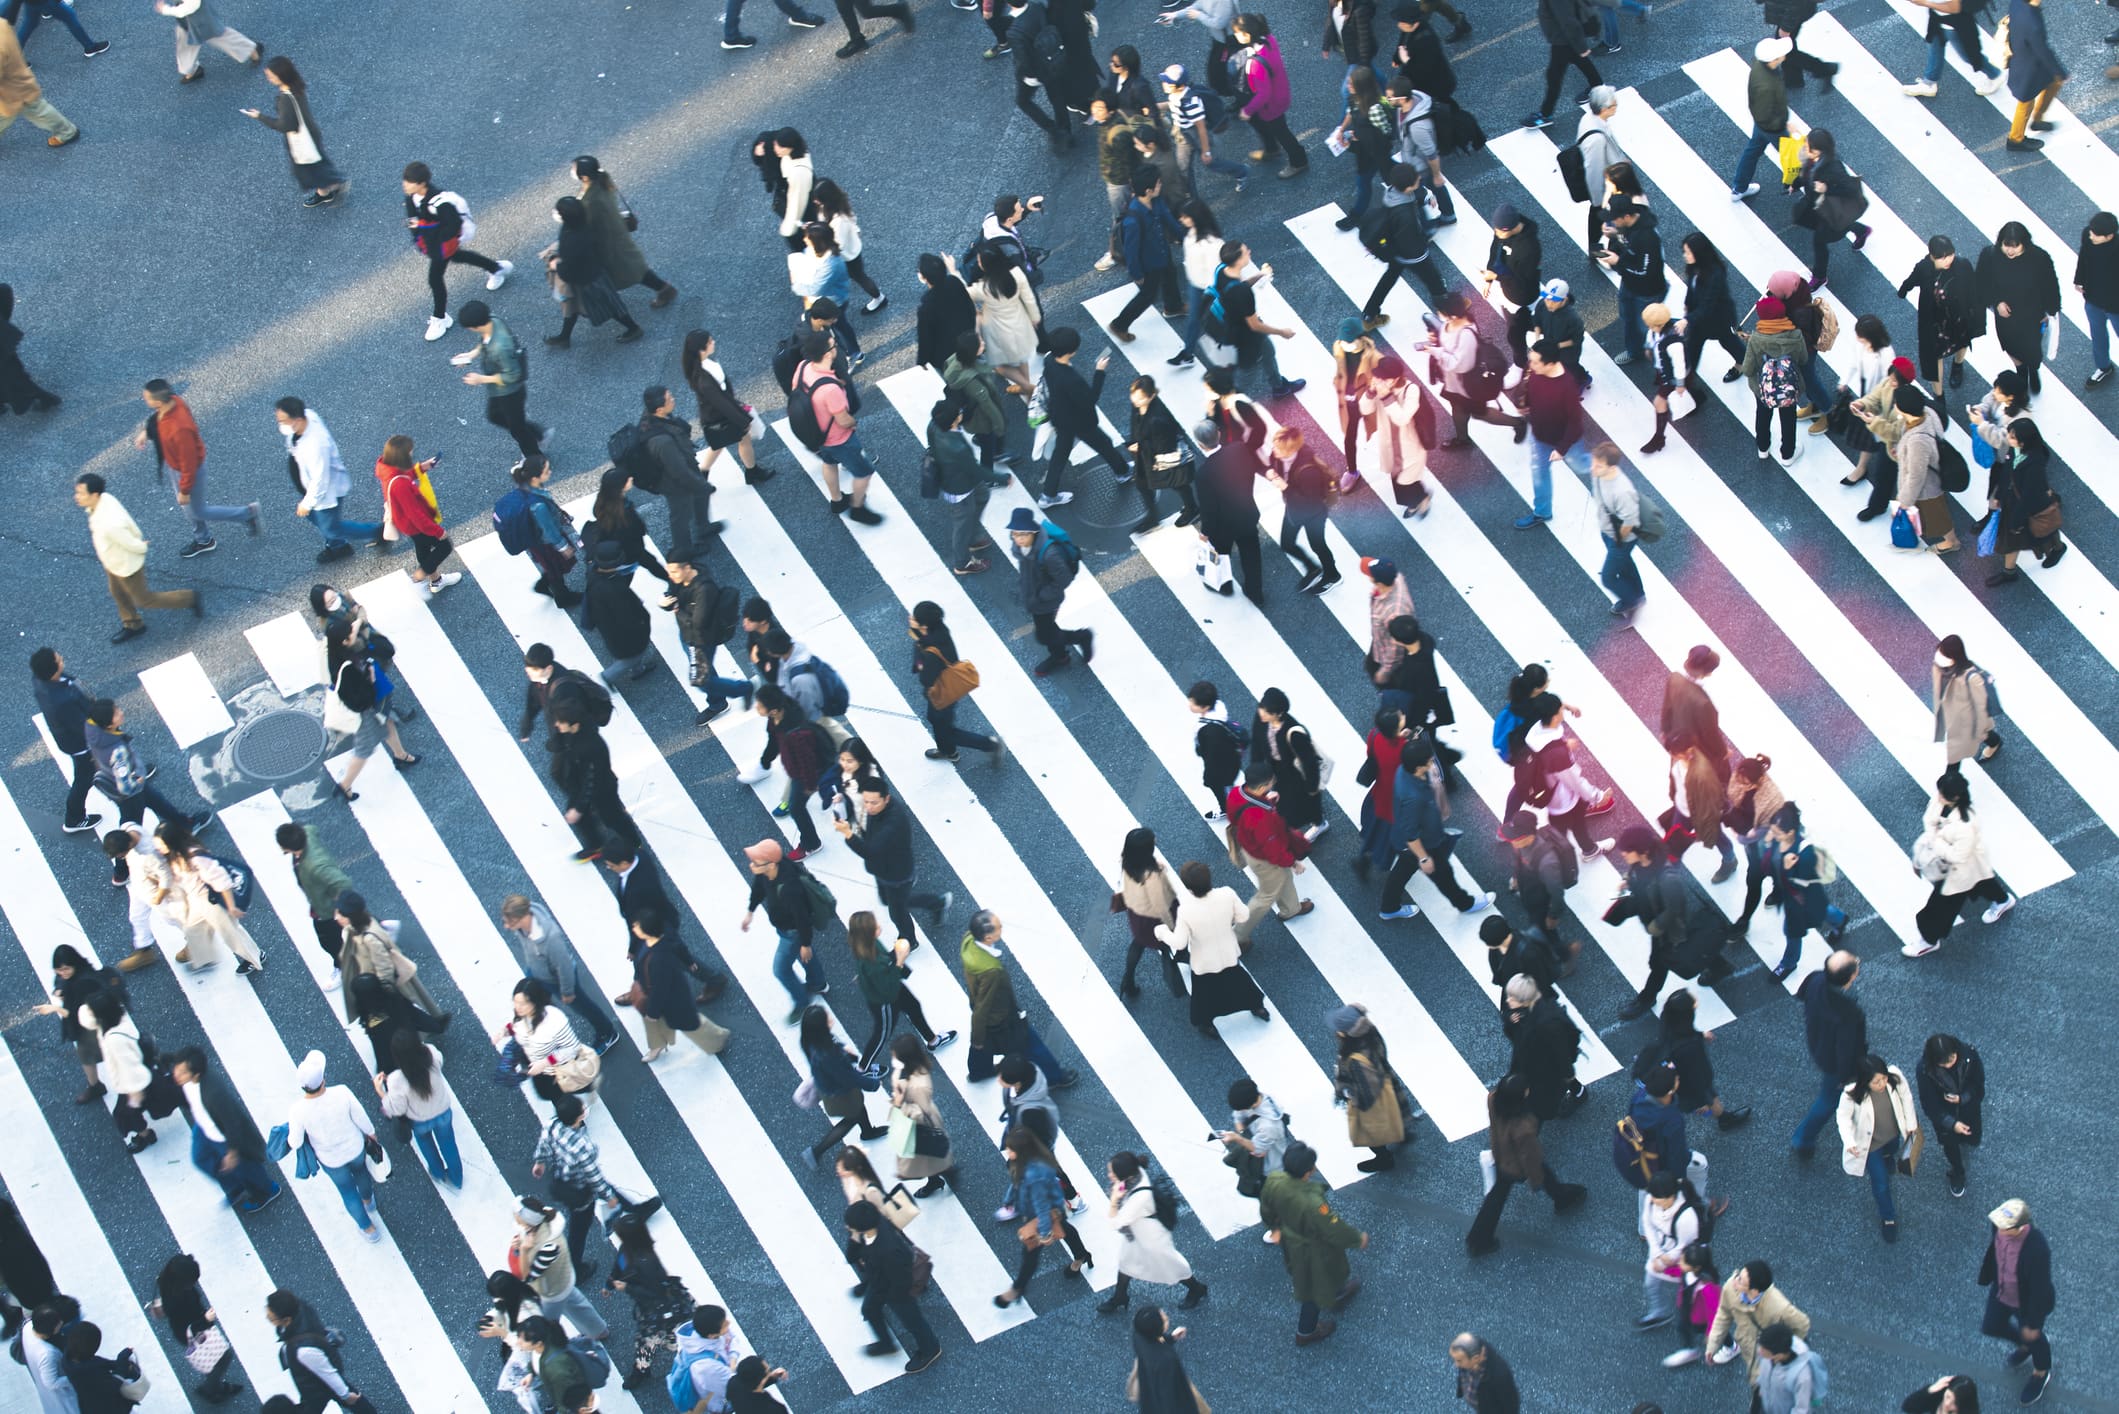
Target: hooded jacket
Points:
(1518, 261)
(1640, 251)
(1046, 569)
(711, 1361)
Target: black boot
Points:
(1655, 443)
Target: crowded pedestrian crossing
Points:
(1860, 758)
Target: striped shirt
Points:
(570, 1156)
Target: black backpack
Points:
(1574, 171)
(577, 686)
(1456, 130)
(631, 454)
(1166, 1199)
(1214, 113)
(723, 615)
(1564, 849)
(802, 409)
(1050, 49)
(1956, 474)
(788, 357)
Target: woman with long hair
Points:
(1201, 249)
(933, 656)
(1951, 856)
(1162, 458)
(830, 204)
(74, 980)
(1876, 1123)
(835, 1073)
(181, 1301)
(912, 1097)
(881, 974)
(292, 119)
(574, 263)
(821, 272)
(415, 1090)
(2024, 499)
(614, 519)
(1158, 1382)
(1710, 310)
(724, 421)
(1953, 1085)
(362, 687)
(543, 1038)
(611, 223)
(1149, 900)
(201, 894)
(370, 950)
(1149, 1253)
(660, 1301)
(839, 789)
(1266, 80)
(409, 504)
(1009, 314)
(1042, 1202)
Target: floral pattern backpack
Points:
(1776, 381)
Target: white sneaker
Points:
(1919, 88)
(875, 304)
(1057, 498)
(1409, 911)
(1996, 913)
(1679, 1359)
(1481, 902)
(1919, 947)
(500, 277)
(438, 325)
(1983, 87)
(1105, 262)
(1723, 1356)
(1745, 195)
(437, 583)
(751, 775)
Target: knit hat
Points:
(1778, 46)
(1903, 370)
(1656, 315)
(1175, 75)
(2104, 223)
(764, 852)
(1910, 400)
(1520, 825)
(1783, 283)
(1351, 328)
(1506, 217)
(309, 1074)
(1555, 290)
(1022, 518)
(2012, 1214)
(1381, 570)
(1771, 308)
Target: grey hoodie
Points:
(1037, 1095)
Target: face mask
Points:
(1943, 662)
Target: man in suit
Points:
(1228, 510)
(638, 885)
(883, 1257)
(225, 1143)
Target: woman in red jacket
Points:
(408, 495)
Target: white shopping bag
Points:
(1213, 567)
(1486, 1169)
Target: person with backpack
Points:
(1196, 113)
(441, 222)
(615, 611)
(1518, 1157)
(569, 1372)
(706, 615)
(1921, 470)
(202, 893)
(1544, 867)
(657, 453)
(1421, 843)
(1553, 406)
(803, 748)
(1048, 561)
(1789, 1378)
(808, 679)
(1220, 743)
(548, 681)
(1233, 319)
(529, 521)
(1145, 230)
(978, 389)
(1039, 53)
(1471, 369)
(1144, 1207)
(1544, 1043)
(1070, 402)
(705, 1361)
(1619, 511)
(581, 768)
(1670, 1223)
(309, 1352)
(952, 472)
(881, 973)
(1414, 144)
(820, 408)
(1774, 357)
(1510, 955)
(1951, 856)
(1313, 1240)
(1366, 130)
(1547, 775)
(1397, 235)
(1594, 152)
(788, 893)
(1657, 894)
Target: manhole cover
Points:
(1098, 498)
(279, 745)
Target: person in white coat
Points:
(125, 1068)
(1670, 1222)
(342, 1136)
(41, 1353)
(1150, 1254)
(1876, 1122)
(200, 895)
(1206, 935)
(1951, 855)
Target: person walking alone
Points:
(2018, 1270)
(1148, 1254)
(1313, 1241)
(122, 551)
(291, 118)
(440, 222)
(197, 28)
(1518, 1157)
(1951, 856)
(315, 462)
(1565, 24)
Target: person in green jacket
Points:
(1766, 94)
(560, 1376)
(321, 881)
(980, 388)
(1313, 1240)
(999, 1027)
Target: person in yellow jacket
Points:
(122, 551)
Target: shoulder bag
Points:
(340, 719)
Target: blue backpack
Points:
(831, 687)
(1505, 723)
(514, 522)
(683, 1390)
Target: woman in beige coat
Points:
(1148, 900)
(1876, 1123)
(1964, 705)
(201, 895)
(1205, 935)
(912, 1095)
(370, 949)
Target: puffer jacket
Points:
(1956, 841)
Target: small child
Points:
(1699, 1297)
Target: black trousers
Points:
(1162, 282)
(1939, 914)
(1250, 561)
(852, 12)
(1489, 1217)
(1275, 132)
(1027, 1267)
(1559, 58)
(606, 816)
(689, 498)
(77, 790)
(1026, 99)
(506, 411)
(1762, 428)
(1697, 333)
(1393, 271)
(438, 268)
(1056, 640)
(883, 1024)
(1464, 412)
(1093, 435)
(329, 936)
(1406, 864)
(920, 1335)
(1318, 558)
(899, 900)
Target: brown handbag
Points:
(2046, 523)
(1027, 1233)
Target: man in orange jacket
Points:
(174, 434)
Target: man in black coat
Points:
(1510, 954)
(225, 1143)
(1419, 58)
(1566, 25)
(1485, 1384)
(1951, 314)
(1540, 869)
(581, 768)
(639, 889)
(1836, 1030)
(1047, 561)
(1396, 234)
(1039, 66)
(883, 1257)
(1655, 894)
(2021, 1322)
(1787, 17)
(1070, 403)
(661, 970)
(680, 483)
(64, 704)
(884, 843)
(1515, 260)
(1543, 1044)
(1228, 506)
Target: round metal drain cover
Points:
(279, 745)
(1098, 498)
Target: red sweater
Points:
(1261, 833)
(183, 450)
(409, 510)
(1384, 755)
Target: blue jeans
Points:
(436, 1141)
(356, 1189)
(248, 1177)
(1816, 391)
(1882, 1161)
(1630, 326)
(201, 512)
(335, 528)
(1196, 320)
(1541, 455)
(37, 11)
(1188, 154)
(849, 457)
(1623, 578)
(2102, 322)
(734, 12)
(982, 1064)
(1747, 164)
(1610, 18)
(785, 958)
(1794, 925)
(1821, 1111)
(1939, 36)
(1364, 189)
